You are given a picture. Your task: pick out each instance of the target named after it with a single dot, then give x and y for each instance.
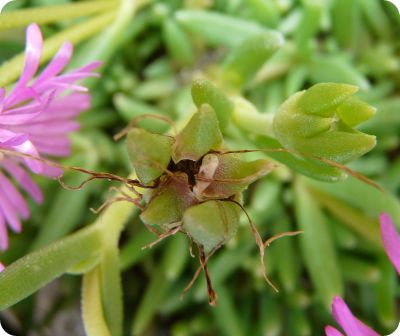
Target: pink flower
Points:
(391, 240)
(349, 323)
(35, 119)
(341, 312)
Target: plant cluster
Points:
(245, 121)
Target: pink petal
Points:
(391, 240)
(3, 233)
(50, 128)
(23, 114)
(55, 146)
(350, 324)
(2, 95)
(9, 211)
(52, 171)
(20, 115)
(1, 267)
(10, 139)
(58, 63)
(88, 67)
(331, 331)
(58, 84)
(19, 95)
(23, 179)
(66, 107)
(28, 148)
(33, 50)
(15, 197)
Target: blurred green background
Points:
(150, 59)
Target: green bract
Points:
(319, 122)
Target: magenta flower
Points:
(391, 240)
(350, 324)
(36, 118)
(341, 312)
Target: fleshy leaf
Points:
(354, 111)
(225, 175)
(321, 99)
(92, 306)
(177, 42)
(247, 58)
(200, 135)
(149, 153)
(317, 246)
(171, 199)
(318, 122)
(204, 92)
(33, 271)
(212, 223)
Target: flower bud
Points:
(320, 121)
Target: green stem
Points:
(111, 289)
(49, 14)
(111, 223)
(11, 70)
(92, 313)
(254, 122)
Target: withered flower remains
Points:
(194, 183)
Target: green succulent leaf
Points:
(149, 153)
(199, 136)
(318, 122)
(317, 246)
(178, 44)
(217, 28)
(212, 223)
(354, 111)
(248, 57)
(35, 270)
(92, 307)
(312, 168)
(204, 92)
(321, 99)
